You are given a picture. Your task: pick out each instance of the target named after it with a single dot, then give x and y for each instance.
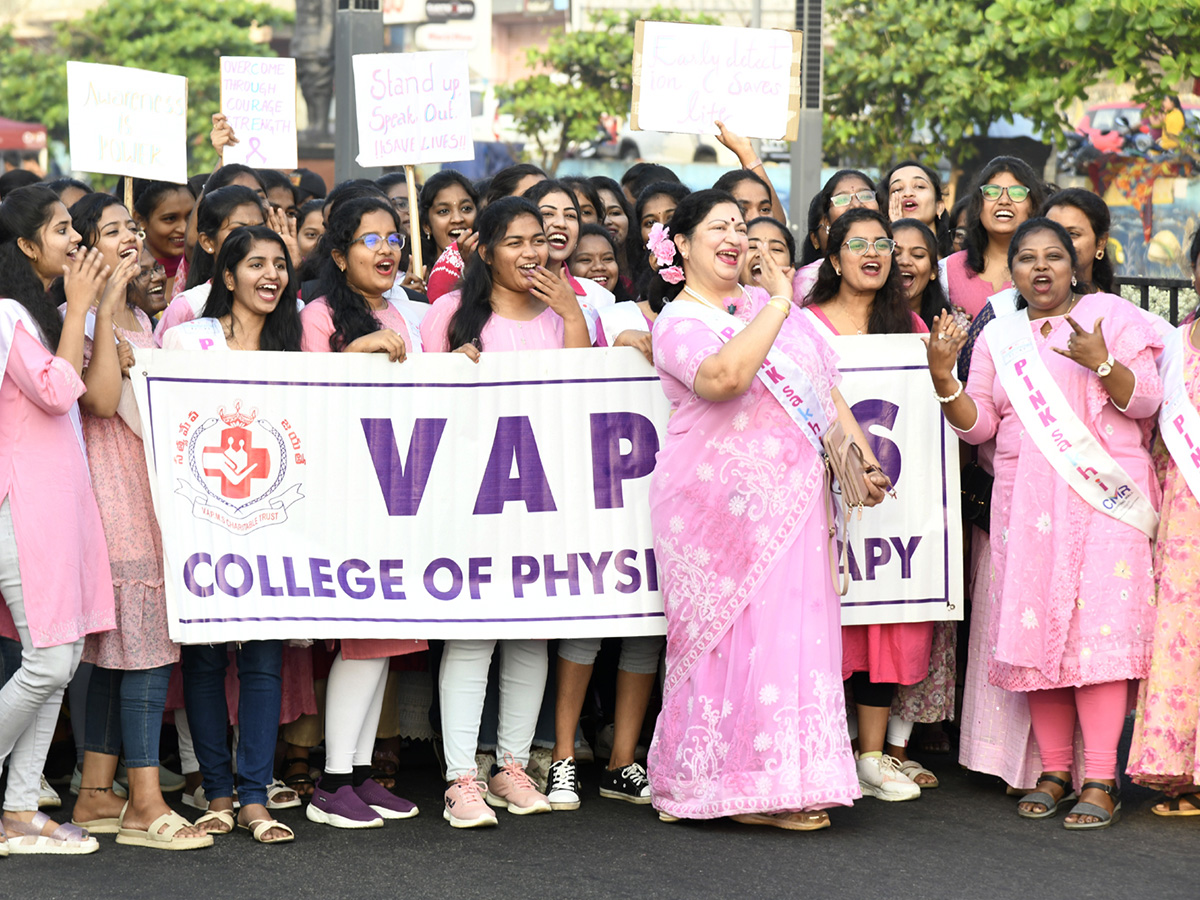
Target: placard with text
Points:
(413, 108)
(258, 97)
(125, 121)
(688, 77)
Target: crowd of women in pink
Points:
(768, 710)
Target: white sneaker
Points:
(48, 797)
(881, 777)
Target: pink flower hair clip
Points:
(660, 244)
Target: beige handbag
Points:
(845, 464)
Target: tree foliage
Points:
(584, 75)
(180, 37)
(922, 79)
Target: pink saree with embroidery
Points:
(753, 716)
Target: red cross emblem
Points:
(237, 463)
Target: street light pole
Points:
(358, 28)
(806, 149)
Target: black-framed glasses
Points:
(372, 241)
(1016, 192)
(864, 197)
(883, 246)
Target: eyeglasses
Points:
(400, 203)
(372, 241)
(864, 197)
(883, 246)
(1016, 192)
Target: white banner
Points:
(413, 108)
(905, 555)
(341, 495)
(258, 97)
(125, 121)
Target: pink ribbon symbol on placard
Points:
(255, 143)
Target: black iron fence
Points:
(1143, 286)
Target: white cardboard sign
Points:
(413, 108)
(687, 77)
(258, 97)
(126, 121)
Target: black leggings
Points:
(871, 693)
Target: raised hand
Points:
(942, 345)
(775, 281)
(555, 291)
(84, 278)
(1085, 347)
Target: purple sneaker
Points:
(342, 809)
(384, 802)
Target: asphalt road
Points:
(963, 840)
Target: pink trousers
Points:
(1100, 709)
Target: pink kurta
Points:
(184, 307)
(1072, 588)
(65, 577)
(753, 716)
(317, 320)
(898, 652)
(122, 487)
(545, 331)
(1163, 753)
(967, 289)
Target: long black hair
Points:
(941, 223)
(688, 216)
(1099, 218)
(977, 236)
(583, 189)
(308, 269)
(211, 212)
(347, 307)
(1032, 226)
(226, 175)
(87, 212)
(23, 214)
(437, 183)
(537, 192)
(281, 328)
(475, 299)
(505, 181)
(591, 229)
(811, 251)
(890, 313)
(933, 298)
(636, 255)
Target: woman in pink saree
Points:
(1066, 386)
(753, 723)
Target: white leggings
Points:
(463, 683)
(353, 702)
(31, 699)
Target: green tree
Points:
(586, 74)
(906, 79)
(180, 37)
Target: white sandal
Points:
(912, 769)
(277, 787)
(259, 827)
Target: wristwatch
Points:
(1106, 367)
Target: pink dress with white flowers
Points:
(753, 716)
(1072, 588)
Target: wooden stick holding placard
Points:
(128, 193)
(414, 219)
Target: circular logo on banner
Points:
(238, 463)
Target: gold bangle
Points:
(782, 305)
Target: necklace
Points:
(846, 312)
(730, 307)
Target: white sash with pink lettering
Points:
(780, 374)
(1058, 432)
(1178, 420)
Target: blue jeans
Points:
(126, 708)
(259, 664)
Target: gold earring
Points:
(1099, 254)
(837, 271)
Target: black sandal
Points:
(1105, 817)
(1046, 799)
(302, 783)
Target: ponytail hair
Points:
(212, 211)
(23, 214)
(688, 216)
(475, 299)
(347, 307)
